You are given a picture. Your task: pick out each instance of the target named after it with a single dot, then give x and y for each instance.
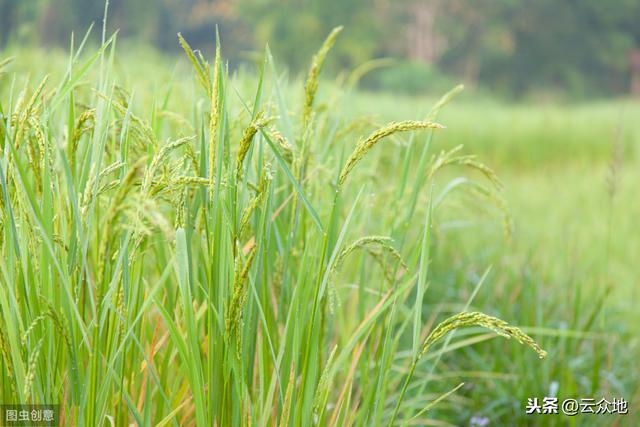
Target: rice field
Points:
(182, 245)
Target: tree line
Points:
(514, 47)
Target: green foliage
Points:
(409, 77)
(179, 250)
(224, 317)
(516, 47)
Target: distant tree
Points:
(511, 46)
(424, 43)
(7, 18)
(576, 46)
(294, 29)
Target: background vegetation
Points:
(515, 48)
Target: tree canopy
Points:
(515, 47)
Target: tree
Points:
(7, 18)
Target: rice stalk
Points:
(31, 371)
(77, 245)
(324, 385)
(465, 320)
(214, 119)
(239, 295)
(311, 85)
(286, 406)
(5, 351)
(113, 214)
(199, 65)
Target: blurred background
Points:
(517, 49)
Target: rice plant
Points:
(220, 264)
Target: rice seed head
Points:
(27, 112)
(446, 158)
(5, 63)
(286, 406)
(139, 129)
(234, 313)
(198, 65)
(501, 204)
(83, 124)
(188, 181)
(470, 161)
(387, 270)
(261, 192)
(468, 319)
(87, 196)
(115, 210)
(31, 371)
(115, 166)
(60, 325)
(311, 85)
(33, 102)
(285, 146)
(27, 332)
(148, 218)
(324, 385)
(159, 157)
(181, 209)
(383, 242)
(37, 157)
(214, 119)
(247, 138)
(444, 100)
(6, 354)
(121, 309)
(364, 146)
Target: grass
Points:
(242, 250)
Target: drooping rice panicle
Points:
(247, 138)
(159, 157)
(465, 320)
(367, 144)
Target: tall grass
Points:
(188, 267)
